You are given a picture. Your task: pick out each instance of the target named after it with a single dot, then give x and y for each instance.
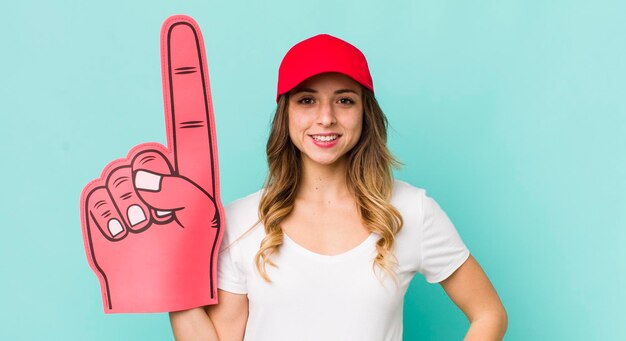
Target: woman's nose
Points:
(326, 115)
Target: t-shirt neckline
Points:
(371, 239)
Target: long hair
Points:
(369, 178)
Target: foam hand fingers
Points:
(153, 164)
(188, 105)
(166, 193)
(102, 213)
(132, 209)
(148, 169)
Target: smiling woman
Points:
(327, 249)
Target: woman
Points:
(328, 248)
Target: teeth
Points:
(324, 138)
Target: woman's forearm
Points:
(193, 324)
(487, 328)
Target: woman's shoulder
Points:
(403, 191)
(411, 201)
(245, 203)
(243, 213)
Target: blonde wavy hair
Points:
(369, 178)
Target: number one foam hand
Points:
(152, 223)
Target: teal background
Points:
(510, 113)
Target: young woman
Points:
(327, 249)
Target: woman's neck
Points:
(323, 183)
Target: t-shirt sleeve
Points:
(229, 275)
(442, 249)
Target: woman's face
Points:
(325, 117)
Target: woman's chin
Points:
(320, 161)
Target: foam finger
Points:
(147, 168)
(189, 111)
(134, 211)
(105, 215)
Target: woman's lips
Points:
(325, 140)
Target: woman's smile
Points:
(325, 140)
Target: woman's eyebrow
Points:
(305, 90)
(342, 91)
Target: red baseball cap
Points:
(320, 54)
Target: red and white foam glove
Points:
(152, 223)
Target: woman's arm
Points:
(470, 289)
(225, 321)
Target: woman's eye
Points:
(346, 100)
(306, 100)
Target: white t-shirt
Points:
(319, 297)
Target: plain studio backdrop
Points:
(510, 113)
